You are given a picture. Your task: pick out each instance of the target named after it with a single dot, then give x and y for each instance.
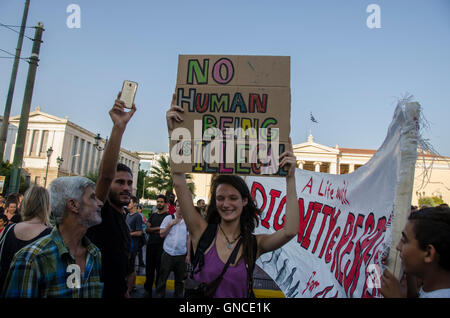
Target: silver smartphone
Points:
(129, 89)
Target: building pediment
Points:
(37, 116)
(311, 147)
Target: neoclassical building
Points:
(74, 149)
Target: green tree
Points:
(431, 201)
(161, 178)
(5, 170)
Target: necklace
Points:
(230, 244)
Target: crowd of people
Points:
(81, 239)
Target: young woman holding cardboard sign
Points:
(231, 218)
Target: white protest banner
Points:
(345, 220)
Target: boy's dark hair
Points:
(162, 196)
(432, 227)
(122, 167)
(134, 199)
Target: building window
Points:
(80, 162)
(43, 150)
(358, 166)
(74, 154)
(325, 167)
(309, 165)
(344, 169)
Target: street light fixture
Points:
(49, 153)
(97, 142)
(59, 161)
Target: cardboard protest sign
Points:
(236, 114)
(347, 222)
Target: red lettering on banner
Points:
(379, 230)
(366, 255)
(303, 218)
(276, 224)
(350, 245)
(311, 284)
(317, 207)
(273, 195)
(331, 244)
(341, 194)
(256, 186)
(326, 211)
(353, 275)
(327, 192)
(333, 220)
(309, 185)
(345, 236)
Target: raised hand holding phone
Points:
(128, 93)
(120, 117)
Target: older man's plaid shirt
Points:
(41, 269)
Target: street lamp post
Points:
(98, 147)
(49, 153)
(97, 142)
(59, 161)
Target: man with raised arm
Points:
(114, 186)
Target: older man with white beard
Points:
(63, 264)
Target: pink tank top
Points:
(234, 281)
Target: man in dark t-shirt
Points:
(114, 187)
(154, 244)
(112, 237)
(135, 223)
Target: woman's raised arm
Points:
(196, 225)
(270, 242)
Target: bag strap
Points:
(3, 237)
(231, 259)
(251, 269)
(212, 287)
(205, 241)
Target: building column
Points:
(317, 166)
(351, 167)
(300, 164)
(39, 144)
(333, 167)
